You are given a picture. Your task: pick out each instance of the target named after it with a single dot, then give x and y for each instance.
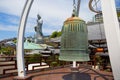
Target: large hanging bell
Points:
(74, 40)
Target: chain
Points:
(74, 2)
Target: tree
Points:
(56, 34)
(15, 40)
(59, 34)
(7, 50)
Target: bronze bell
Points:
(74, 40)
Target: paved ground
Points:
(66, 74)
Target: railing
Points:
(8, 64)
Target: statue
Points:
(38, 30)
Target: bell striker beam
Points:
(112, 31)
(20, 43)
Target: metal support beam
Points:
(112, 31)
(20, 43)
(74, 64)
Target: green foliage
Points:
(56, 34)
(53, 61)
(54, 64)
(99, 60)
(6, 50)
(118, 14)
(59, 34)
(15, 40)
(33, 58)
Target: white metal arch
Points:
(112, 32)
(20, 43)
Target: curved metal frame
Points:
(20, 43)
(91, 8)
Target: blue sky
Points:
(53, 13)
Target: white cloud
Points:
(8, 28)
(12, 6)
(48, 9)
(29, 27)
(53, 12)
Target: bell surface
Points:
(74, 40)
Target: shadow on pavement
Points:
(77, 76)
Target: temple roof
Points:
(30, 45)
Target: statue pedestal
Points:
(23, 78)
